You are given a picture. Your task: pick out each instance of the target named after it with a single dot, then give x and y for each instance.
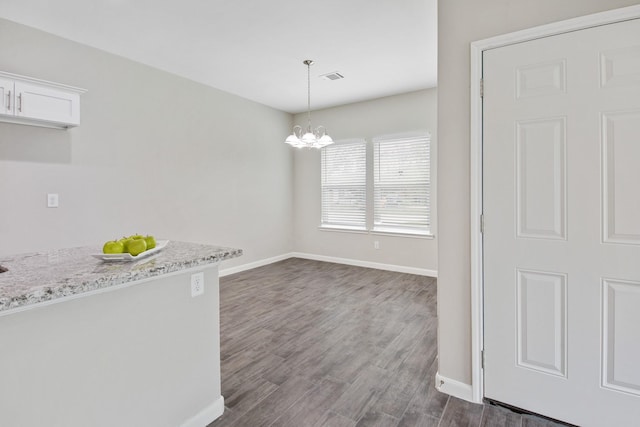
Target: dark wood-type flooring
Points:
(308, 343)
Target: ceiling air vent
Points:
(332, 76)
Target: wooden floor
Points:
(308, 343)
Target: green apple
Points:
(151, 242)
(125, 243)
(136, 236)
(136, 246)
(113, 247)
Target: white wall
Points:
(146, 354)
(461, 22)
(155, 153)
(394, 114)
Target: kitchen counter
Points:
(102, 344)
(46, 276)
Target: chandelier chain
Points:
(309, 93)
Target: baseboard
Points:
(368, 264)
(454, 388)
(337, 260)
(207, 415)
(252, 265)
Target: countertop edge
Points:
(62, 292)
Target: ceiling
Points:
(255, 49)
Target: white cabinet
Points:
(30, 101)
(6, 94)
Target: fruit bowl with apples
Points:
(130, 248)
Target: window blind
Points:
(344, 183)
(402, 185)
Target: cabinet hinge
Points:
(482, 358)
(481, 223)
(481, 88)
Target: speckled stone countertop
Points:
(39, 277)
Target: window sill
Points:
(379, 232)
(415, 235)
(343, 229)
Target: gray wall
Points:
(155, 153)
(461, 22)
(394, 114)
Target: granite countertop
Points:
(45, 276)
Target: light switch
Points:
(52, 200)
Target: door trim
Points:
(477, 48)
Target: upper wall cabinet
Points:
(35, 102)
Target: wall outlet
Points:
(52, 200)
(197, 284)
(376, 244)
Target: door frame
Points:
(477, 273)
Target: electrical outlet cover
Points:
(197, 284)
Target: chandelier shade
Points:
(311, 138)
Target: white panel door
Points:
(561, 200)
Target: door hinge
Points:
(482, 358)
(481, 223)
(481, 88)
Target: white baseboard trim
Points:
(337, 260)
(368, 264)
(207, 415)
(255, 264)
(454, 388)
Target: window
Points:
(344, 185)
(401, 185)
(383, 187)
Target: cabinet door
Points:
(7, 97)
(47, 104)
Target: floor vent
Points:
(525, 412)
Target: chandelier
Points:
(312, 138)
